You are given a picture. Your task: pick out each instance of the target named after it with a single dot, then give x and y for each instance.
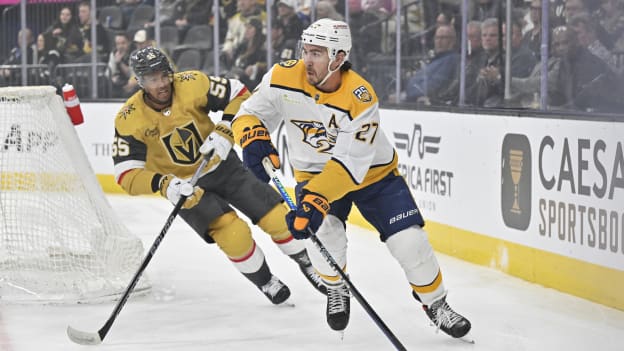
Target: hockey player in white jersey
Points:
(340, 158)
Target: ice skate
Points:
(447, 320)
(275, 290)
(338, 306)
(308, 271)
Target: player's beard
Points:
(162, 96)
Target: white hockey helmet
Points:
(334, 35)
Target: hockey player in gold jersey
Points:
(340, 157)
(163, 131)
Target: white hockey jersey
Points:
(335, 134)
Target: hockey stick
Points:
(89, 338)
(268, 167)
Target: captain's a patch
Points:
(362, 94)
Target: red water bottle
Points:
(72, 104)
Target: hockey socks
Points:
(254, 267)
(308, 271)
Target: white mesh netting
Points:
(60, 240)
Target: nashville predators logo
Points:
(288, 63)
(315, 135)
(362, 94)
(186, 76)
(126, 111)
(183, 144)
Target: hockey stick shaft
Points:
(332, 262)
(87, 338)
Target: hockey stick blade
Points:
(85, 338)
(82, 337)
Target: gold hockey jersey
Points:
(335, 133)
(150, 143)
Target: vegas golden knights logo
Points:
(183, 144)
(516, 181)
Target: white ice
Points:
(200, 302)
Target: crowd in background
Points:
(583, 59)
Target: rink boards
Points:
(540, 199)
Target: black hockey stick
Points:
(89, 338)
(268, 167)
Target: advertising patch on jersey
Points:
(288, 63)
(362, 94)
(186, 76)
(126, 111)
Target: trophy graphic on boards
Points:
(516, 181)
(515, 167)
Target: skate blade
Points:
(467, 339)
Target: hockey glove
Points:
(173, 188)
(256, 144)
(217, 145)
(309, 214)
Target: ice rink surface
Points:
(200, 302)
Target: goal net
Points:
(60, 241)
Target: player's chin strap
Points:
(329, 72)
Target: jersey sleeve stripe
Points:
(122, 168)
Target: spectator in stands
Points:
(236, 28)
(250, 64)
(475, 60)
(480, 10)
(188, 13)
(436, 75)
(142, 40)
(577, 7)
(326, 9)
(611, 17)
(68, 37)
(522, 62)
(585, 29)
(12, 76)
(367, 34)
(49, 57)
(532, 39)
(584, 82)
(127, 8)
(15, 55)
(486, 82)
(287, 16)
(119, 66)
(283, 49)
(84, 16)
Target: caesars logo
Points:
(183, 144)
(516, 181)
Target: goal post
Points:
(60, 240)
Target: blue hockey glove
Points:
(309, 214)
(256, 144)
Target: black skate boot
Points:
(338, 306)
(275, 290)
(447, 320)
(308, 271)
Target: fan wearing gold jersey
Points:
(161, 134)
(340, 157)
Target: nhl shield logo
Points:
(362, 94)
